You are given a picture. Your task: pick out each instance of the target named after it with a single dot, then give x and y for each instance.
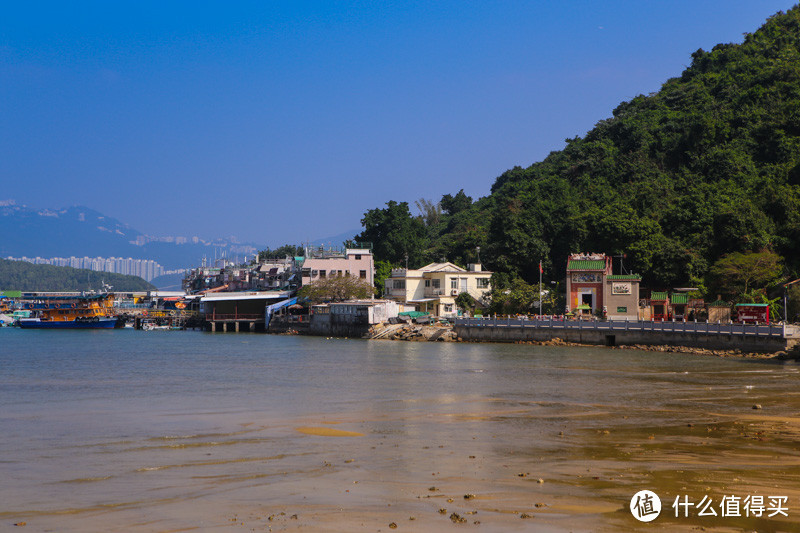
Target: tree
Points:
(394, 234)
(739, 272)
(336, 289)
(281, 252)
(430, 212)
(794, 303)
(465, 301)
(455, 204)
(518, 297)
(383, 270)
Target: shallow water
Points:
(161, 431)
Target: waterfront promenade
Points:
(747, 337)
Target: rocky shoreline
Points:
(793, 353)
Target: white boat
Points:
(152, 326)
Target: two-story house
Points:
(322, 264)
(435, 287)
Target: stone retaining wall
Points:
(716, 341)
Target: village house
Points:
(350, 318)
(321, 264)
(435, 287)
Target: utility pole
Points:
(541, 270)
(621, 266)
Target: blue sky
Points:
(284, 121)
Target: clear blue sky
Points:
(284, 121)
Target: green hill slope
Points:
(707, 166)
(19, 275)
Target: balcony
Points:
(433, 292)
(396, 293)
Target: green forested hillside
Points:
(23, 276)
(706, 167)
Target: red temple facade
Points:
(586, 275)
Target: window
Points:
(362, 274)
(483, 283)
(358, 257)
(400, 284)
(622, 309)
(448, 308)
(322, 274)
(306, 273)
(436, 283)
(454, 283)
(427, 283)
(314, 273)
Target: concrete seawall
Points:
(749, 339)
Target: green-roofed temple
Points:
(592, 286)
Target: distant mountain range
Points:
(84, 232)
(80, 231)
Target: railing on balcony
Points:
(433, 292)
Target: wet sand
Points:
(457, 468)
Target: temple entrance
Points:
(587, 299)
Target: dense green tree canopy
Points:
(394, 234)
(706, 167)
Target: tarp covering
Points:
(413, 314)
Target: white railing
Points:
(705, 328)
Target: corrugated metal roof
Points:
(659, 296)
(586, 264)
(624, 277)
(678, 298)
(719, 303)
(752, 305)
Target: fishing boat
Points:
(70, 312)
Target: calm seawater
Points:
(156, 431)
